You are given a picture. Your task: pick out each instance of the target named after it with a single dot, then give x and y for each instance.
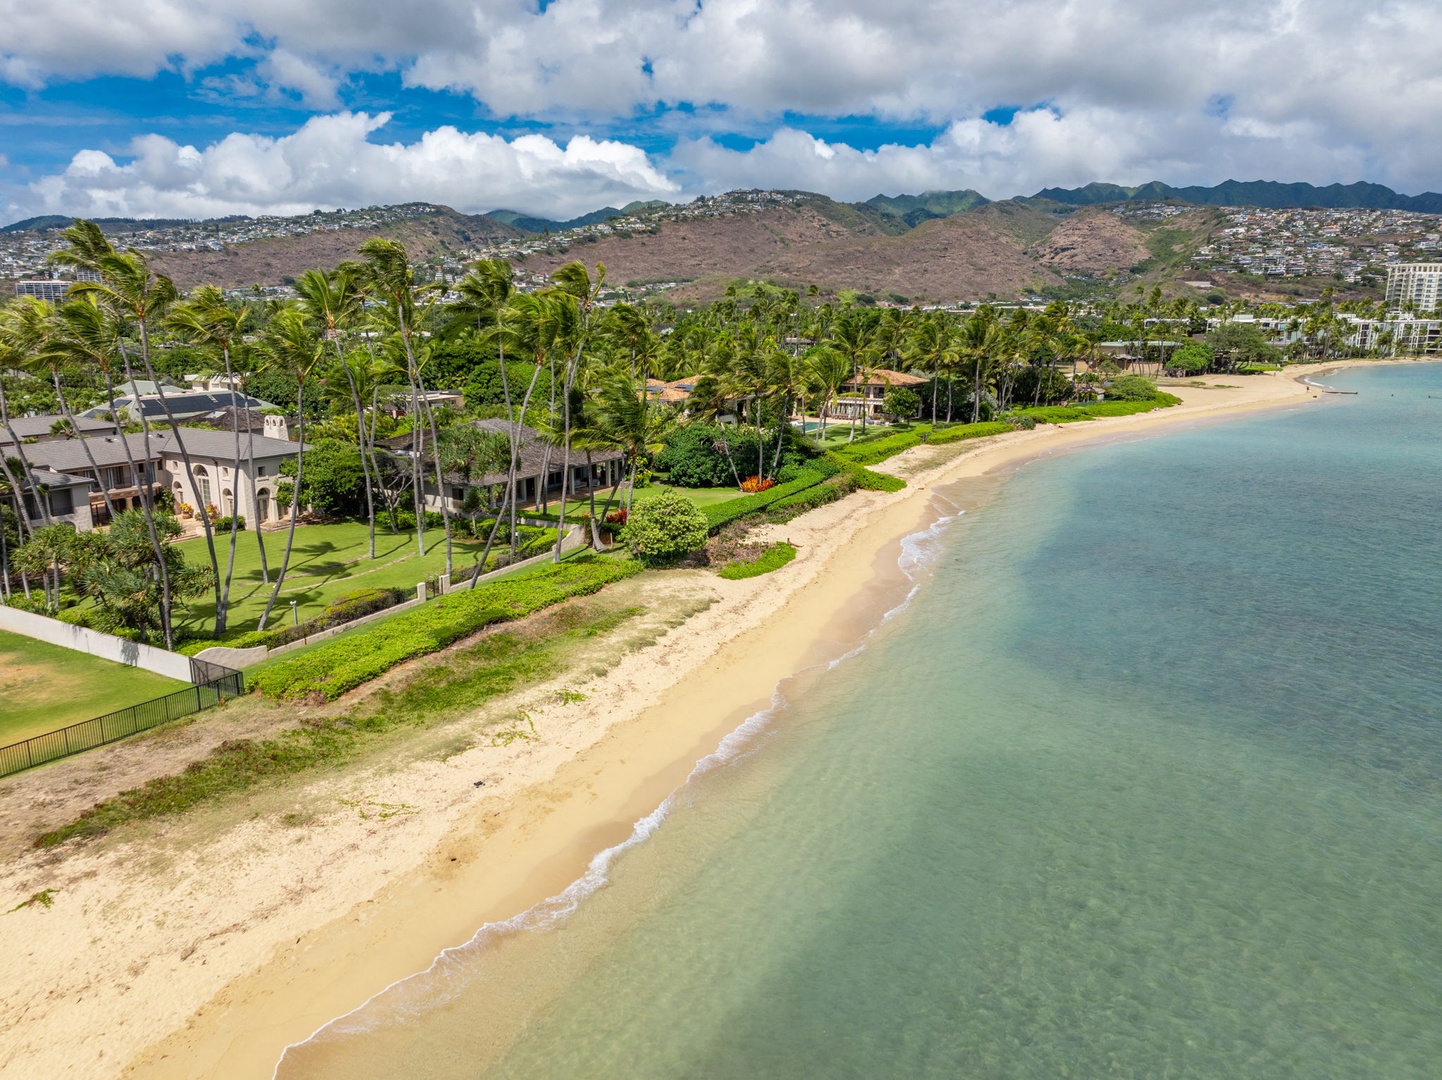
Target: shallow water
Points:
(1143, 782)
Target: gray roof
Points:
(184, 405)
(50, 478)
(203, 442)
(530, 459)
(69, 454)
(38, 427)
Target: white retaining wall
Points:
(104, 646)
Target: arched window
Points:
(262, 499)
(202, 486)
(227, 502)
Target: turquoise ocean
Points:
(1144, 780)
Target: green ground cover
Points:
(334, 667)
(328, 561)
(773, 558)
(467, 678)
(44, 687)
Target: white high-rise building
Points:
(1420, 283)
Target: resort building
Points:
(126, 467)
(1418, 284)
(865, 397)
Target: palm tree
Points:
(573, 282)
(387, 272)
(293, 346)
(125, 285)
(333, 301)
(207, 320)
(828, 368)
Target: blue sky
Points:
(188, 108)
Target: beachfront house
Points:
(134, 468)
(864, 394)
(541, 475)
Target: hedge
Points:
(773, 558)
(969, 431)
(1067, 414)
(331, 669)
(719, 515)
(878, 450)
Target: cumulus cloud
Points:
(331, 161)
(1124, 90)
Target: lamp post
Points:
(294, 616)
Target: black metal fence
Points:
(213, 685)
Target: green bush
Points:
(1132, 388)
(1019, 421)
(222, 524)
(664, 528)
(968, 431)
(330, 669)
(773, 558)
(901, 403)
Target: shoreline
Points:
(389, 899)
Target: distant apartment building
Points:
(51, 290)
(1420, 283)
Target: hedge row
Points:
(1067, 414)
(873, 451)
(329, 670)
(969, 431)
(719, 515)
(773, 558)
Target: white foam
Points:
(447, 975)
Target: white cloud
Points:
(330, 161)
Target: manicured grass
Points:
(44, 687)
(702, 497)
(328, 561)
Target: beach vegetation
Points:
(662, 529)
(330, 669)
(773, 557)
(496, 663)
(1132, 388)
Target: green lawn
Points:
(44, 687)
(328, 561)
(700, 496)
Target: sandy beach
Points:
(203, 948)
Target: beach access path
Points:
(201, 947)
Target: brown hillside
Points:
(731, 246)
(956, 258)
(1092, 242)
(269, 262)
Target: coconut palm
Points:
(292, 345)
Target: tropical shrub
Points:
(1132, 388)
(1018, 421)
(664, 528)
(617, 517)
(752, 484)
(330, 669)
(712, 455)
(901, 403)
(773, 558)
(222, 524)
